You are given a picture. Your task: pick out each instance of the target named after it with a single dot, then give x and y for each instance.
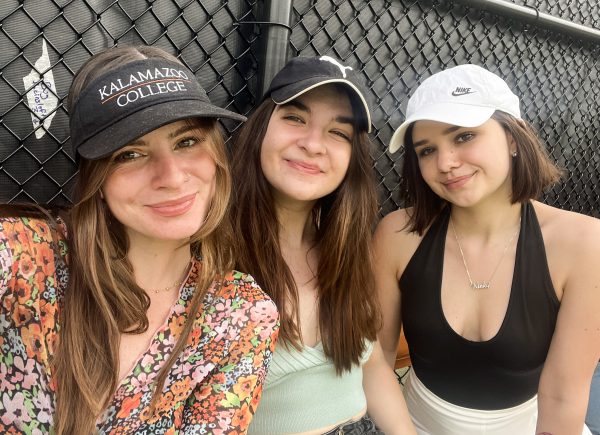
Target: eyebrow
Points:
(304, 108)
(181, 130)
(445, 132)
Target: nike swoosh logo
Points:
(458, 94)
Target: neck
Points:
(487, 222)
(297, 234)
(159, 265)
(296, 228)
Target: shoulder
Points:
(394, 221)
(31, 238)
(567, 230)
(572, 243)
(31, 247)
(247, 295)
(395, 224)
(33, 276)
(393, 242)
(243, 285)
(26, 230)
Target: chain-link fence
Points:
(43, 42)
(395, 44)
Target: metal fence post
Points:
(532, 15)
(275, 19)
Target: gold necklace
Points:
(176, 283)
(478, 285)
(167, 288)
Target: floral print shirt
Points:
(213, 388)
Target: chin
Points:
(174, 232)
(459, 201)
(466, 203)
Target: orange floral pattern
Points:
(213, 388)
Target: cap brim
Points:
(453, 114)
(146, 120)
(294, 90)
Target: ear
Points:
(101, 195)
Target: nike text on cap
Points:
(301, 74)
(465, 96)
(133, 99)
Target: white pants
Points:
(434, 416)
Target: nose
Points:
(448, 159)
(313, 141)
(168, 171)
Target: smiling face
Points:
(308, 144)
(162, 184)
(464, 165)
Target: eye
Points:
(189, 142)
(127, 156)
(465, 137)
(293, 118)
(424, 151)
(342, 134)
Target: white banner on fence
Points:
(41, 99)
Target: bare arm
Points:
(385, 401)
(575, 348)
(390, 250)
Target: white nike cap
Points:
(465, 95)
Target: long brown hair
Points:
(102, 300)
(532, 172)
(344, 221)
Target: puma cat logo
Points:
(336, 63)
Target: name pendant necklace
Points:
(479, 285)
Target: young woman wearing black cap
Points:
(123, 315)
(305, 207)
(497, 293)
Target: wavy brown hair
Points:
(532, 173)
(102, 300)
(344, 221)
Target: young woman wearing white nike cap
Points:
(498, 293)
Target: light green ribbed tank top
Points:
(302, 392)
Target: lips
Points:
(457, 182)
(304, 167)
(175, 207)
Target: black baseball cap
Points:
(302, 74)
(136, 98)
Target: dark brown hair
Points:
(532, 173)
(344, 221)
(102, 300)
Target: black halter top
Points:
(503, 371)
